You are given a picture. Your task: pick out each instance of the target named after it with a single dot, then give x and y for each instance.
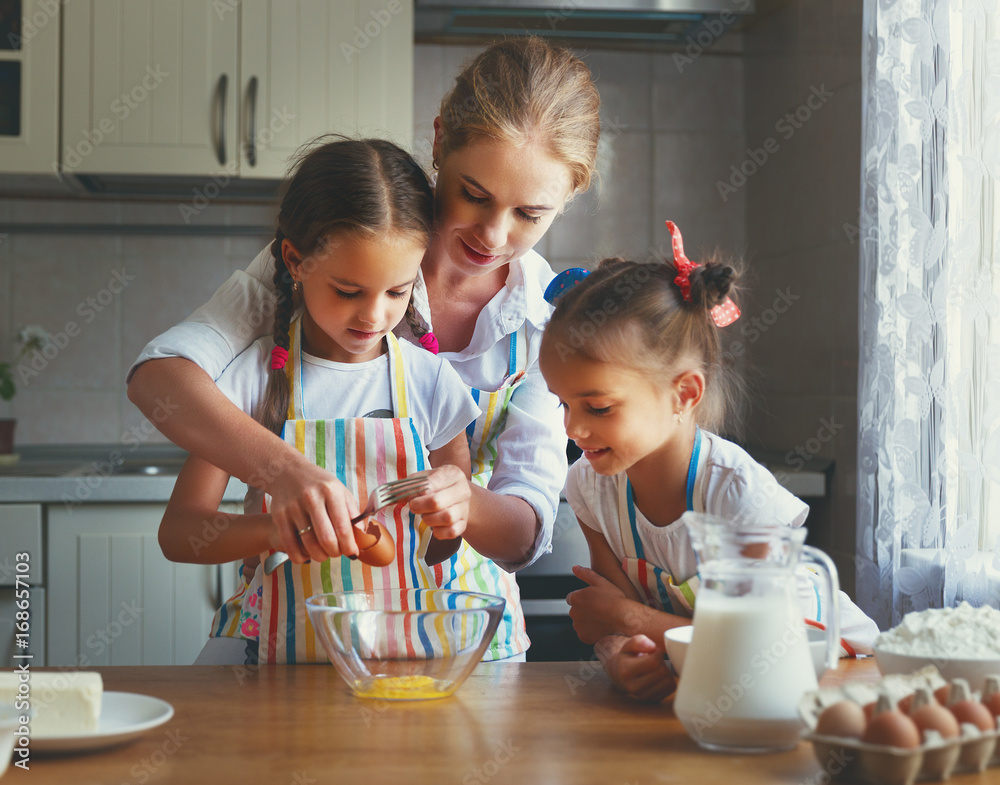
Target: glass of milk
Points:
(748, 664)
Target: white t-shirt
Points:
(728, 483)
(531, 450)
(440, 404)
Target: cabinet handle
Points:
(218, 586)
(221, 151)
(252, 147)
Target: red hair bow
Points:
(722, 314)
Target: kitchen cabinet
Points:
(29, 86)
(229, 88)
(149, 88)
(21, 569)
(114, 599)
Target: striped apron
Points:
(482, 574)
(655, 585)
(362, 453)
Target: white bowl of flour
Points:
(962, 642)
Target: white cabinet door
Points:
(150, 87)
(114, 599)
(310, 67)
(29, 91)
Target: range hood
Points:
(669, 22)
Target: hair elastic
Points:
(430, 342)
(279, 356)
(723, 314)
(564, 281)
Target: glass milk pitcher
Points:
(748, 663)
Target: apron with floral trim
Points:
(655, 585)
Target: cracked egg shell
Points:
(375, 543)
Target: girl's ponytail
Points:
(273, 409)
(712, 283)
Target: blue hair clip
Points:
(563, 282)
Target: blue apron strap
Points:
(626, 512)
(693, 467)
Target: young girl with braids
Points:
(633, 353)
(354, 224)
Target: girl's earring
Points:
(297, 286)
(678, 419)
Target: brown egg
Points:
(991, 695)
(869, 710)
(845, 719)
(892, 728)
(905, 704)
(375, 543)
(934, 716)
(941, 694)
(974, 713)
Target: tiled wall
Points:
(669, 134)
(802, 210)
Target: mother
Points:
(516, 139)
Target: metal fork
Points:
(384, 495)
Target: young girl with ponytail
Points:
(633, 352)
(354, 224)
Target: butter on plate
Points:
(61, 704)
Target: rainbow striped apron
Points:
(655, 585)
(362, 453)
(484, 575)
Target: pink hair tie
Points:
(279, 356)
(430, 342)
(724, 313)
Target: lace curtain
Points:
(928, 500)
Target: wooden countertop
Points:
(559, 722)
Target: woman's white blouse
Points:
(531, 451)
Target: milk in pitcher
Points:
(752, 666)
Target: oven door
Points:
(544, 586)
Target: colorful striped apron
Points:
(482, 574)
(362, 453)
(655, 585)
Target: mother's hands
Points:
(310, 498)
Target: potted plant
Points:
(30, 338)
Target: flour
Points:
(962, 632)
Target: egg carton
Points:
(936, 759)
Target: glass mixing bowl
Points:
(405, 644)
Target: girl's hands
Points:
(639, 669)
(309, 496)
(598, 610)
(445, 505)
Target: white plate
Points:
(973, 671)
(124, 716)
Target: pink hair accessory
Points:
(430, 342)
(724, 313)
(279, 357)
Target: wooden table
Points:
(509, 723)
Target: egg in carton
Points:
(843, 755)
